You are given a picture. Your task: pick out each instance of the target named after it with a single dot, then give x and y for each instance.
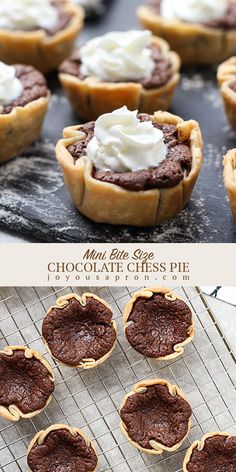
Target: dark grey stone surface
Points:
(35, 203)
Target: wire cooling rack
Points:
(90, 399)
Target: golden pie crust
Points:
(92, 97)
(141, 387)
(108, 203)
(38, 49)
(229, 163)
(61, 303)
(195, 43)
(226, 75)
(21, 127)
(12, 412)
(40, 437)
(200, 445)
(169, 295)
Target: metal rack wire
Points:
(90, 399)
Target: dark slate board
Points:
(34, 201)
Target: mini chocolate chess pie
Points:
(92, 96)
(208, 41)
(79, 331)
(155, 417)
(215, 452)
(21, 119)
(61, 447)
(229, 163)
(144, 197)
(43, 47)
(26, 383)
(226, 76)
(158, 323)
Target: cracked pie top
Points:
(158, 323)
(201, 32)
(215, 452)
(38, 32)
(26, 383)
(155, 417)
(79, 331)
(129, 68)
(61, 448)
(131, 169)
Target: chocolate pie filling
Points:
(228, 21)
(218, 455)
(169, 172)
(24, 382)
(34, 87)
(160, 76)
(157, 325)
(64, 17)
(64, 452)
(77, 332)
(156, 415)
(63, 21)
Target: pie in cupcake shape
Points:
(131, 169)
(26, 383)
(215, 452)
(131, 68)
(226, 76)
(61, 447)
(158, 323)
(24, 100)
(155, 417)
(201, 32)
(39, 33)
(79, 331)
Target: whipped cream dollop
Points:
(10, 86)
(26, 14)
(196, 11)
(118, 56)
(122, 143)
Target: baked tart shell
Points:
(61, 303)
(40, 437)
(21, 127)
(141, 387)
(229, 163)
(195, 43)
(226, 75)
(91, 97)
(12, 412)
(200, 445)
(169, 295)
(36, 48)
(108, 203)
